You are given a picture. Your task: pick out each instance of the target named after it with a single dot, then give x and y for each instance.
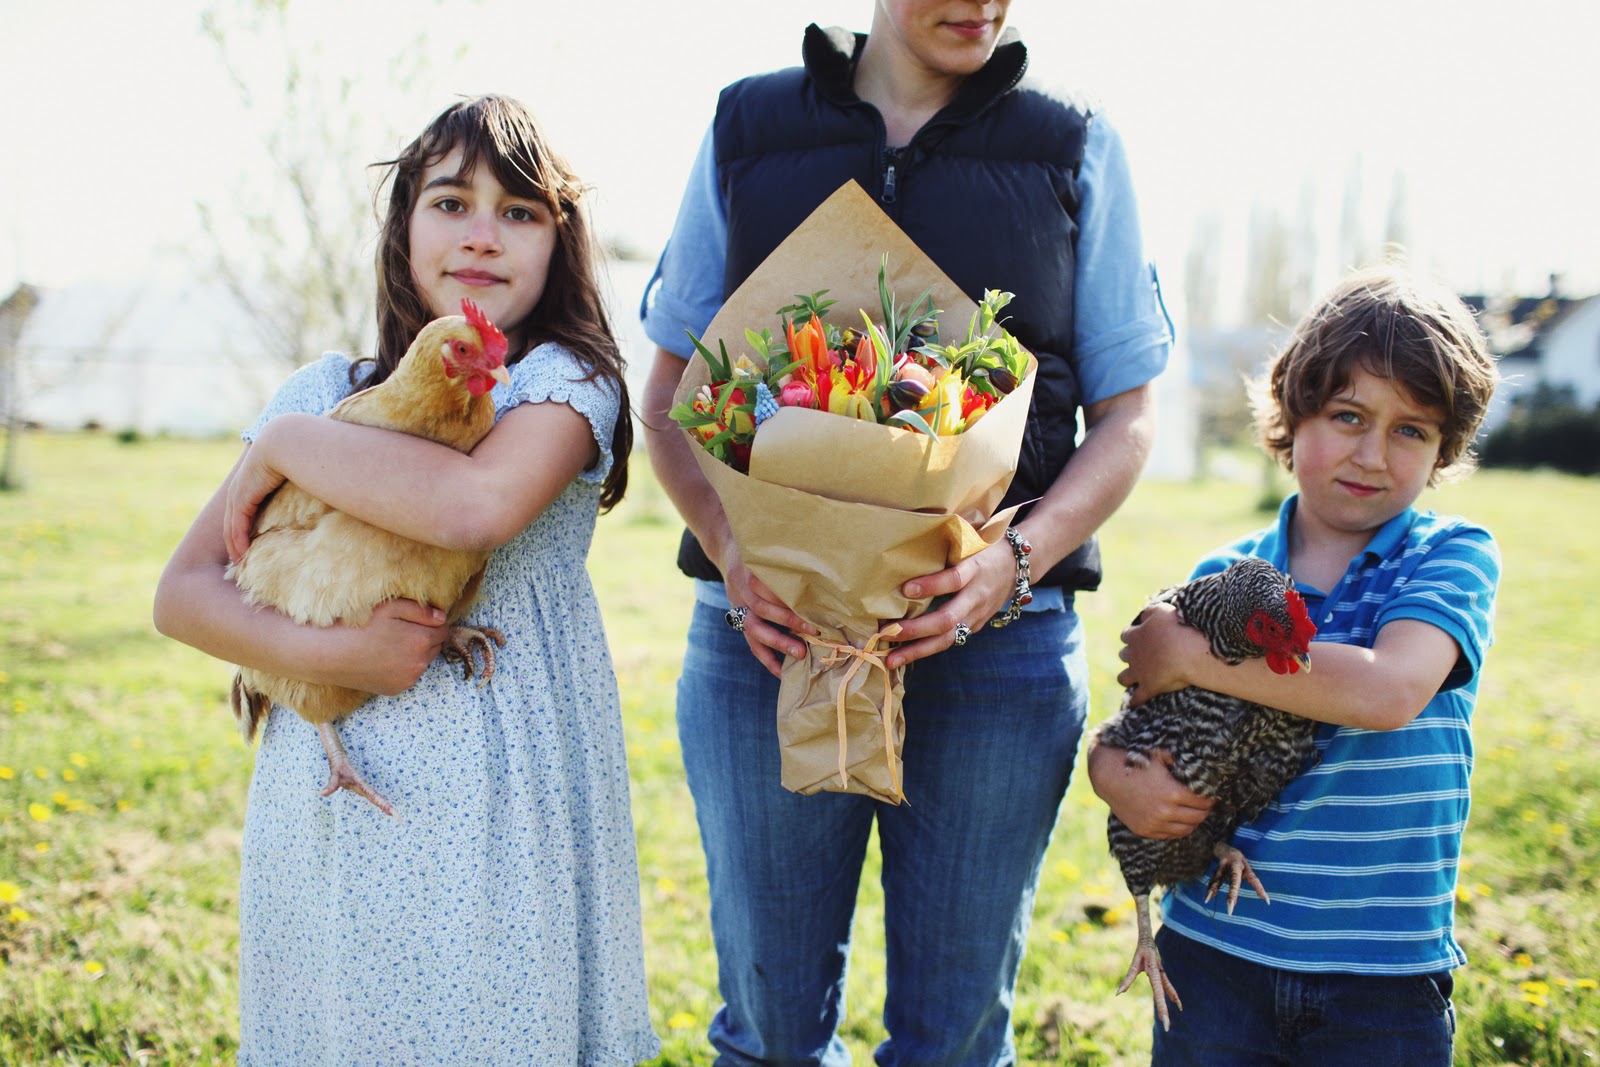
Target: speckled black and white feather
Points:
(1240, 753)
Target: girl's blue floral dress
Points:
(496, 919)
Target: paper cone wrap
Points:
(837, 513)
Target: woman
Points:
(1005, 187)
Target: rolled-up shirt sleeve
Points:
(686, 289)
(1122, 334)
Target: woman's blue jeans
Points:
(1247, 1014)
(991, 732)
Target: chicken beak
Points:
(501, 375)
(1304, 659)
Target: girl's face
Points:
(472, 238)
(948, 37)
(1365, 457)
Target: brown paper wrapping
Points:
(836, 513)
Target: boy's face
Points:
(1364, 458)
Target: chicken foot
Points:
(341, 775)
(1232, 864)
(463, 639)
(1147, 959)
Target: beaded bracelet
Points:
(1022, 593)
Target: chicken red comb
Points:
(494, 342)
(1304, 628)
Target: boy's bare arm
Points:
(1378, 688)
(1145, 796)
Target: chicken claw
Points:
(341, 775)
(1147, 959)
(461, 642)
(1231, 862)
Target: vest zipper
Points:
(891, 159)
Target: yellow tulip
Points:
(946, 396)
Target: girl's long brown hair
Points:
(501, 133)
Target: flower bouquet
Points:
(849, 461)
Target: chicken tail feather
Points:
(249, 708)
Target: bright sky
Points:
(117, 117)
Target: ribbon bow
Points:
(870, 656)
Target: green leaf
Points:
(913, 420)
(720, 371)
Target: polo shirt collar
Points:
(1389, 540)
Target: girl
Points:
(497, 920)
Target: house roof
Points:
(1514, 325)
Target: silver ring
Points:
(735, 618)
(963, 631)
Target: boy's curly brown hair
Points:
(1394, 326)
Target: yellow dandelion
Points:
(124, 805)
(69, 775)
(1585, 983)
(1522, 959)
(1069, 871)
(1563, 982)
(1058, 936)
(39, 812)
(41, 773)
(1538, 989)
(60, 799)
(10, 892)
(42, 846)
(1562, 766)
(1482, 890)
(1113, 916)
(78, 759)
(94, 967)
(666, 885)
(682, 1021)
(19, 706)
(6, 773)
(76, 805)
(1558, 829)
(1463, 894)
(1535, 999)
(1529, 815)
(17, 915)
(1083, 928)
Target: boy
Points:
(1377, 396)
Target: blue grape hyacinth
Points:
(766, 403)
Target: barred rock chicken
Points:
(1239, 753)
(319, 565)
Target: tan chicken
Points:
(318, 565)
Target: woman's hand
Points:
(764, 614)
(252, 481)
(1144, 795)
(980, 586)
(1155, 649)
(392, 651)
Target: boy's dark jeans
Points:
(1240, 1013)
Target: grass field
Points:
(122, 780)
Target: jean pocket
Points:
(1435, 990)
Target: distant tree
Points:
(14, 312)
(293, 243)
(1202, 273)
(1270, 270)
(1397, 225)
(1546, 428)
